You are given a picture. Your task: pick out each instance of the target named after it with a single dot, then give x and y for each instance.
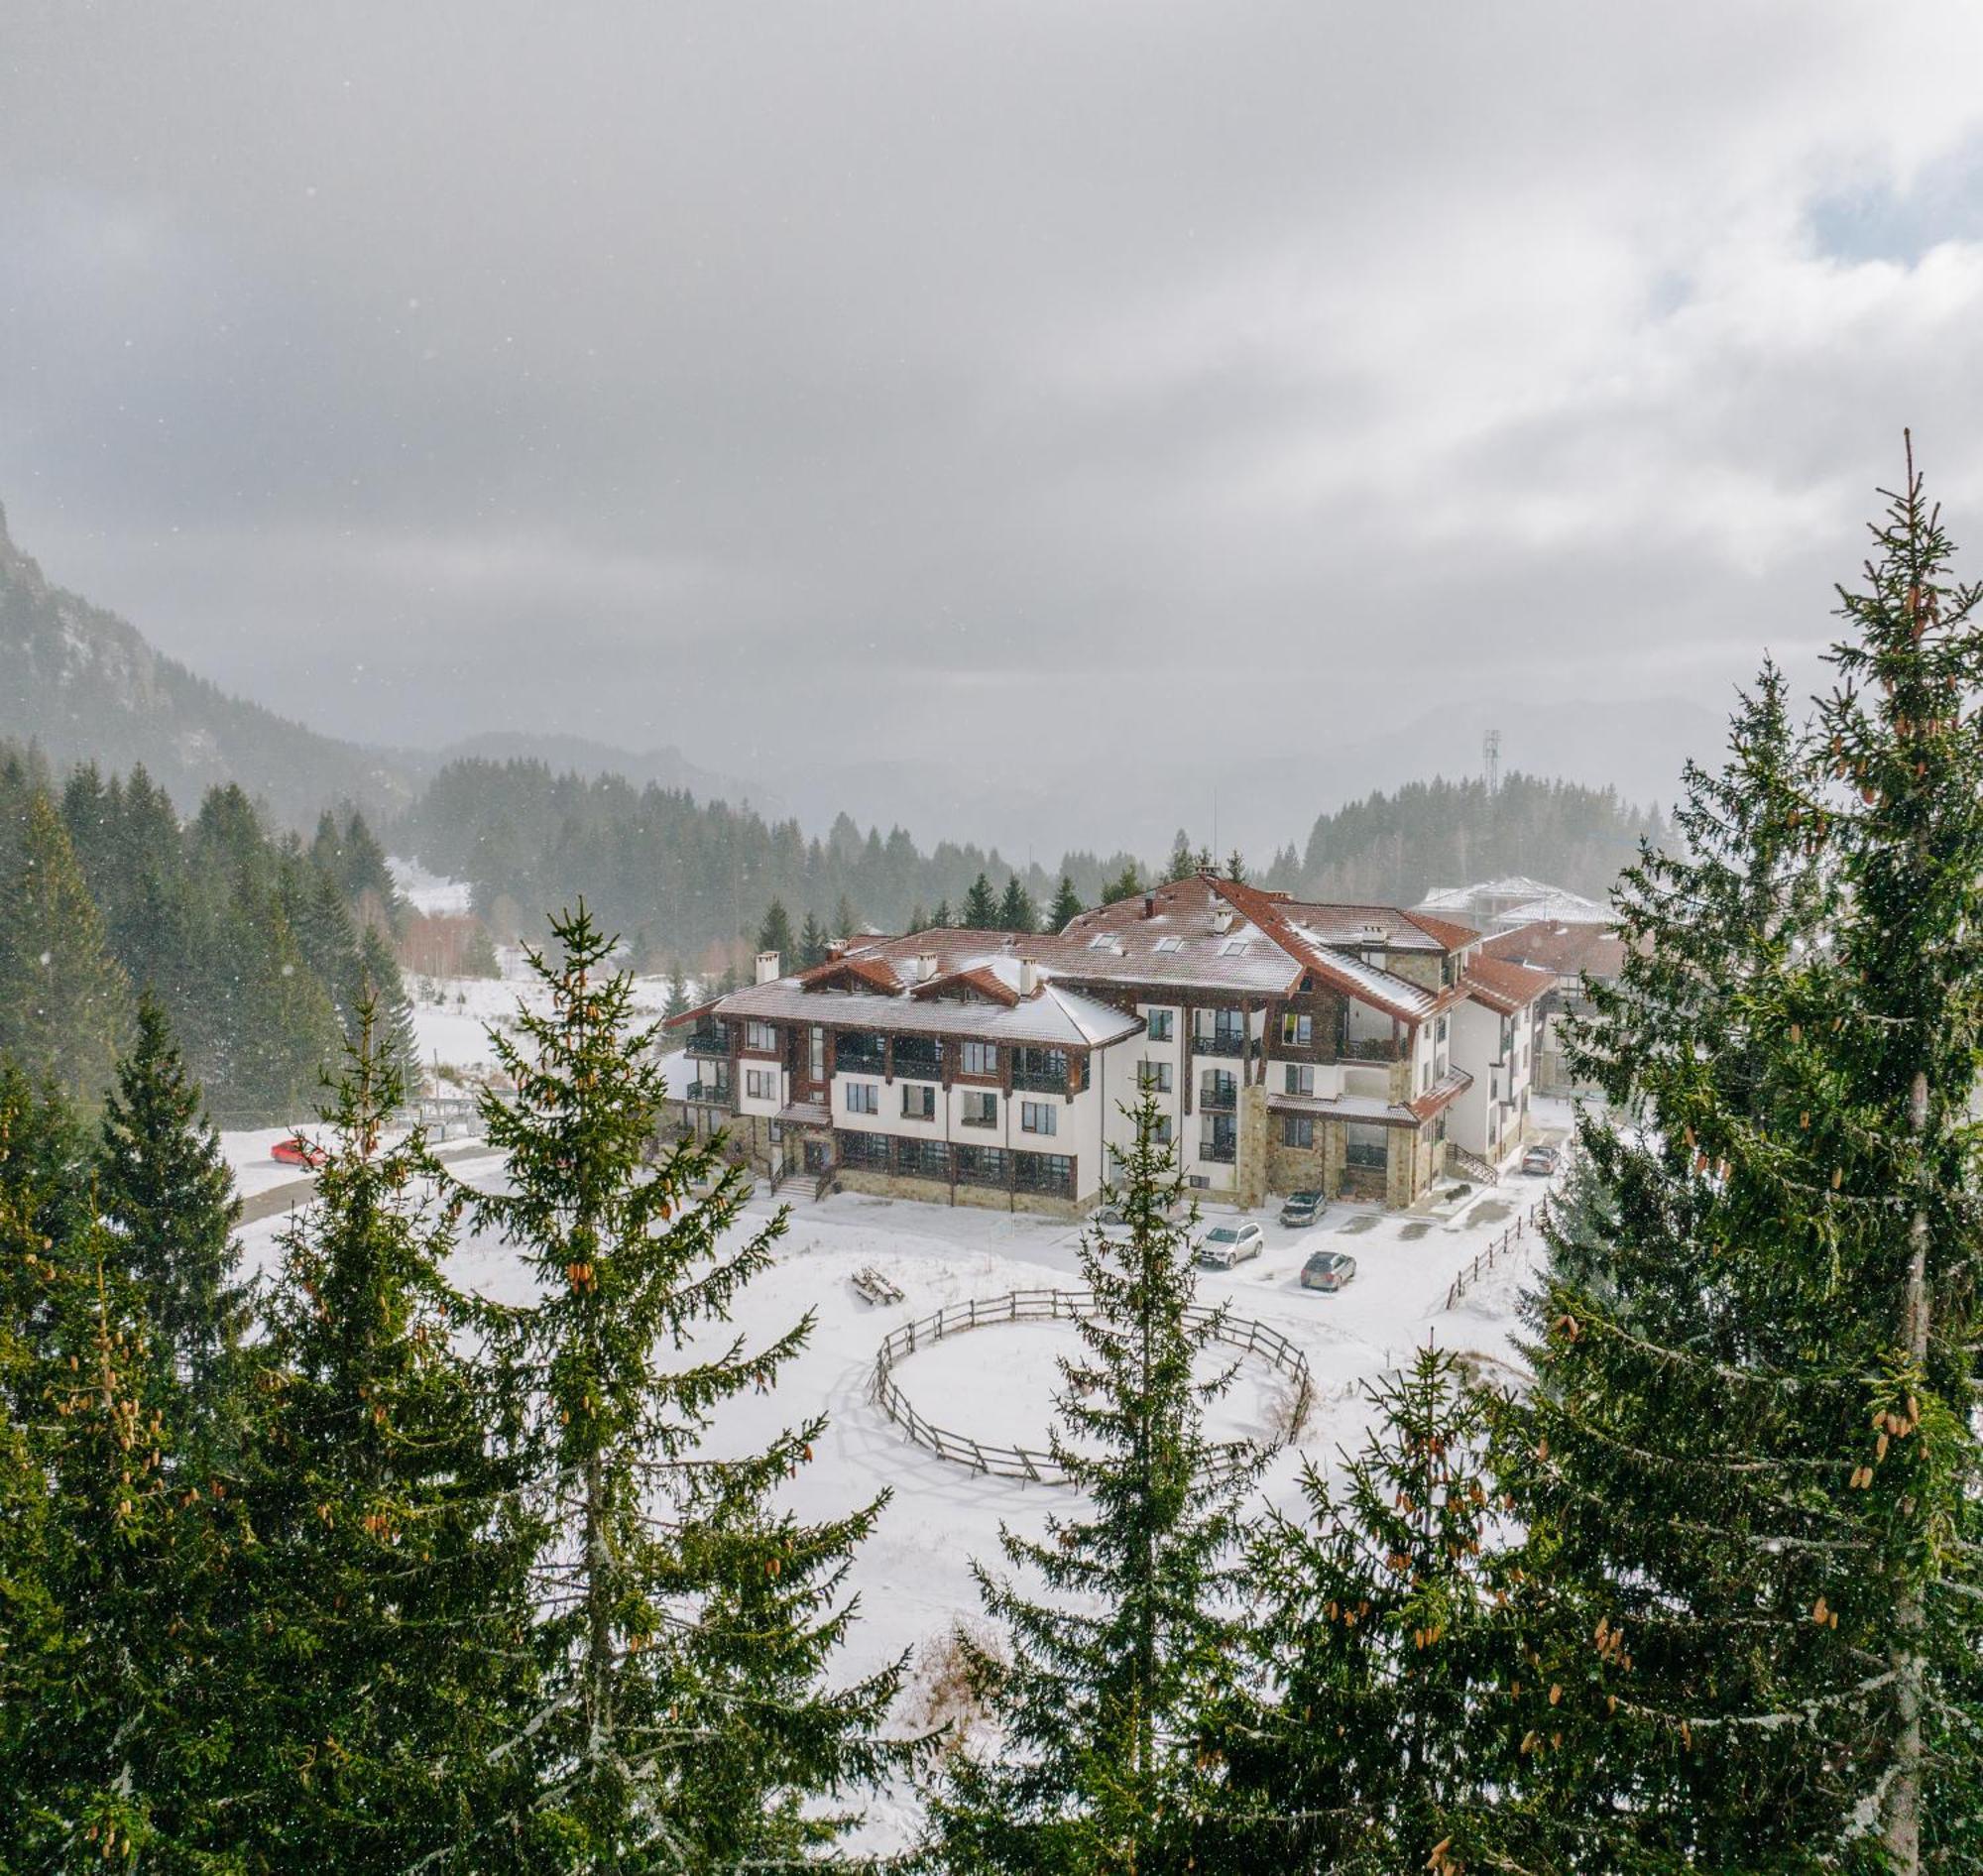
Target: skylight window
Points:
(1232, 948)
(1170, 944)
(1102, 941)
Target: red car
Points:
(297, 1151)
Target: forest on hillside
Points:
(259, 948)
(689, 880)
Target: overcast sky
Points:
(979, 384)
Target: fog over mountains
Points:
(85, 684)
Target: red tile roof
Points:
(1505, 987)
(1566, 950)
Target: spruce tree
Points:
(1236, 867)
(981, 910)
(812, 943)
(1066, 905)
(1128, 884)
(1182, 864)
(685, 1619)
(166, 1192)
(385, 989)
(1750, 1458)
(940, 919)
(1104, 1761)
(64, 1002)
(845, 922)
(775, 933)
(1373, 1736)
(1016, 910)
(383, 1659)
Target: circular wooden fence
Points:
(1030, 1306)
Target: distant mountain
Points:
(85, 685)
(579, 755)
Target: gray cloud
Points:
(1036, 385)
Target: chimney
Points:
(925, 965)
(1029, 977)
(836, 949)
(1149, 906)
(768, 966)
(1221, 920)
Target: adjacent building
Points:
(1358, 1050)
(1572, 955)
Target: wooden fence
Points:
(1512, 1242)
(1028, 1306)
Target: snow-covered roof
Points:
(1051, 1017)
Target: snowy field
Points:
(914, 1576)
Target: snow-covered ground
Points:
(995, 1384)
(452, 1016)
(427, 891)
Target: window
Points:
(1232, 948)
(1441, 1029)
(1162, 1131)
(1218, 1090)
(1038, 1116)
(864, 1098)
(918, 1102)
(1164, 945)
(1297, 1031)
(761, 1083)
(1102, 941)
(1301, 1078)
(1162, 1024)
(922, 1159)
(864, 1149)
(1044, 1172)
(981, 1165)
(761, 1037)
(1199, 1182)
(981, 1058)
(816, 1054)
(1297, 1130)
(1156, 1075)
(1364, 1144)
(981, 1108)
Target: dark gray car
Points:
(1301, 1210)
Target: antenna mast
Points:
(1491, 747)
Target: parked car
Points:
(297, 1151)
(1541, 1160)
(1227, 1245)
(1110, 1222)
(1327, 1270)
(1301, 1210)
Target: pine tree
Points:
(685, 1619)
(64, 1002)
(1016, 910)
(677, 999)
(1373, 1736)
(918, 918)
(386, 990)
(940, 919)
(1236, 867)
(1128, 884)
(775, 933)
(167, 1196)
(1750, 1450)
(1066, 905)
(385, 1661)
(812, 943)
(1180, 865)
(981, 910)
(845, 923)
(1105, 1762)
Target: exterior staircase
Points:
(1471, 1165)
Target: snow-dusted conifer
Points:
(1103, 1710)
(687, 1620)
(1749, 1464)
